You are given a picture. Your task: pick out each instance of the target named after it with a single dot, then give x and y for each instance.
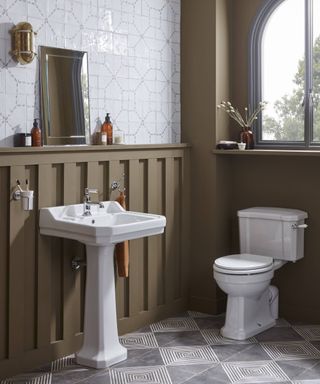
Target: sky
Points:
(282, 48)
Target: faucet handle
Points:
(87, 191)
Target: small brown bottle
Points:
(108, 129)
(36, 134)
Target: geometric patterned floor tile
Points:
(139, 341)
(188, 355)
(311, 332)
(45, 378)
(138, 375)
(64, 362)
(293, 350)
(175, 325)
(214, 337)
(254, 372)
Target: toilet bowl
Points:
(269, 238)
(248, 308)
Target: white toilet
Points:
(269, 237)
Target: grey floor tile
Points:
(72, 374)
(173, 339)
(99, 378)
(152, 358)
(183, 373)
(137, 353)
(248, 352)
(278, 334)
(214, 375)
(301, 369)
(140, 375)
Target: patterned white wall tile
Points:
(146, 375)
(254, 372)
(134, 57)
(175, 325)
(188, 355)
(291, 350)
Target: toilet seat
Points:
(243, 264)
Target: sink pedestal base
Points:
(101, 347)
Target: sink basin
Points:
(110, 224)
(100, 231)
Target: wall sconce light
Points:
(23, 43)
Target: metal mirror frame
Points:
(44, 53)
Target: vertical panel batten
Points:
(116, 171)
(71, 279)
(4, 260)
(44, 260)
(169, 231)
(16, 269)
(136, 246)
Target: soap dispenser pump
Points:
(36, 134)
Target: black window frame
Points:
(255, 75)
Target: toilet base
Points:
(247, 316)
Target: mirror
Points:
(64, 87)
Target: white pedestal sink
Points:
(100, 232)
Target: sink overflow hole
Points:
(93, 221)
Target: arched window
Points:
(284, 70)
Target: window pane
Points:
(316, 71)
(283, 73)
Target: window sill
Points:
(267, 152)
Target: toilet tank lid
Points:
(272, 213)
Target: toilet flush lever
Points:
(301, 226)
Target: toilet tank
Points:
(272, 232)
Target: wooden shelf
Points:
(267, 152)
(88, 148)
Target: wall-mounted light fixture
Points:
(23, 43)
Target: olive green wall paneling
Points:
(17, 265)
(116, 171)
(41, 297)
(138, 278)
(44, 260)
(56, 251)
(177, 217)
(30, 263)
(74, 178)
(4, 259)
(170, 240)
(155, 243)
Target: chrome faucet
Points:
(87, 201)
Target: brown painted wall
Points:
(205, 62)
(276, 181)
(290, 182)
(214, 50)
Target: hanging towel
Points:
(122, 249)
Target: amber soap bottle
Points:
(108, 129)
(36, 134)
